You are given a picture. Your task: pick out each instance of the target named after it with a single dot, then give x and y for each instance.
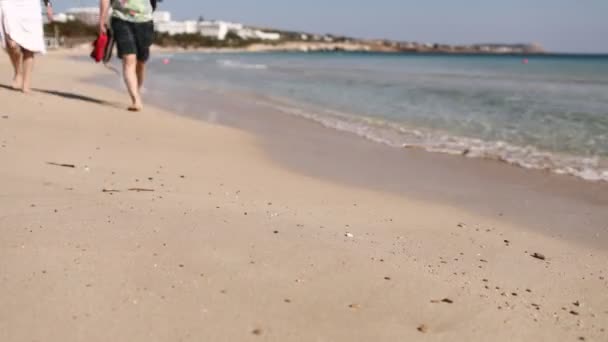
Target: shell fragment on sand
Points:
(538, 256)
(71, 166)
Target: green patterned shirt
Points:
(138, 11)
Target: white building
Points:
(87, 15)
(247, 33)
(218, 29)
(62, 18)
(177, 27)
(213, 29)
(267, 35)
(161, 17)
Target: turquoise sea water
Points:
(549, 113)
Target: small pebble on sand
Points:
(445, 300)
(538, 256)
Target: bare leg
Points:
(141, 73)
(129, 66)
(14, 53)
(28, 66)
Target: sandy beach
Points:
(156, 227)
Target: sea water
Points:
(541, 112)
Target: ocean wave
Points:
(401, 136)
(228, 63)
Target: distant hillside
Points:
(313, 42)
(75, 32)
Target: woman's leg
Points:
(28, 66)
(129, 70)
(141, 73)
(127, 51)
(14, 53)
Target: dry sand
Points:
(232, 247)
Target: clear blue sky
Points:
(559, 25)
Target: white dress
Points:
(21, 20)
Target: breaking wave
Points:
(400, 136)
(227, 63)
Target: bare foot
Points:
(26, 91)
(135, 108)
(17, 83)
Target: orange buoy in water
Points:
(525, 61)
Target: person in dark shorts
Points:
(133, 30)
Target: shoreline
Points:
(264, 48)
(229, 245)
(295, 142)
(552, 162)
(336, 48)
(400, 135)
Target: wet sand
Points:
(554, 205)
(169, 229)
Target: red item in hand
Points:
(99, 47)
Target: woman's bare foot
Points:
(27, 64)
(136, 104)
(135, 108)
(17, 83)
(25, 86)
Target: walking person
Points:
(22, 36)
(133, 30)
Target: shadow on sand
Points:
(69, 96)
(73, 96)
